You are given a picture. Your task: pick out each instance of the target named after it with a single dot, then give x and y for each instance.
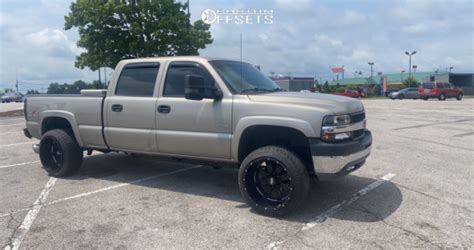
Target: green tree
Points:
(411, 82)
(112, 30)
(377, 89)
(32, 92)
(326, 88)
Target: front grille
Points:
(355, 118)
(357, 134)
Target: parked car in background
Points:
(440, 90)
(12, 97)
(350, 93)
(410, 93)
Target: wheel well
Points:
(51, 123)
(265, 135)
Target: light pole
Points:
(409, 55)
(371, 71)
(342, 72)
(401, 73)
(450, 68)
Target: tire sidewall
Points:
(295, 168)
(71, 153)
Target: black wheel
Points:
(273, 181)
(442, 97)
(401, 97)
(459, 97)
(425, 98)
(59, 153)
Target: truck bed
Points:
(82, 110)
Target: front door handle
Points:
(164, 109)
(117, 107)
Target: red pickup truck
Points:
(440, 90)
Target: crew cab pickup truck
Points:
(218, 112)
(440, 90)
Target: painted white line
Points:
(25, 226)
(14, 132)
(106, 189)
(12, 119)
(334, 209)
(20, 143)
(18, 164)
(13, 124)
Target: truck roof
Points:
(172, 58)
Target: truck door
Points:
(130, 110)
(189, 127)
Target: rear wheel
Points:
(59, 153)
(442, 97)
(459, 97)
(273, 181)
(401, 97)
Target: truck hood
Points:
(332, 103)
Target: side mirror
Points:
(195, 88)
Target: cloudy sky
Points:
(306, 38)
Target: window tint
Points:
(137, 80)
(174, 83)
(427, 85)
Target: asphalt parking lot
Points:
(416, 190)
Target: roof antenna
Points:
(240, 59)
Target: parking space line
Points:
(30, 217)
(105, 189)
(18, 164)
(13, 124)
(13, 144)
(334, 209)
(14, 132)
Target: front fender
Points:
(246, 122)
(61, 114)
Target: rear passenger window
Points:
(174, 83)
(137, 80)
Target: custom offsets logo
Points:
(245, 16)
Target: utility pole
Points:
(371, 71)
(100, 82)
(105, 77)
(188, 6)
(342, 72)
(409, 64)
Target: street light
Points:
(409, 55)
(401, 73)
(450, 68)
(371, 71)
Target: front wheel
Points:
(273, 181)
(442, 97)
(401, 97)
(59, 153)
(459, 97)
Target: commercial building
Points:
(294, 83)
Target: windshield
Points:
(243, 77)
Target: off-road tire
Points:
(294, 169)
(71, 153)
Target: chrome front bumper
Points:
(332, 160)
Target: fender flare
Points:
(61, 114)
(301, 125)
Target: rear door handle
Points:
(117, 107)
(164, 109)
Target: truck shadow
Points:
(206, 181)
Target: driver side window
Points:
(175, 77)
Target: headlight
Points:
(336, 120)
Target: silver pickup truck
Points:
(213, 111)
